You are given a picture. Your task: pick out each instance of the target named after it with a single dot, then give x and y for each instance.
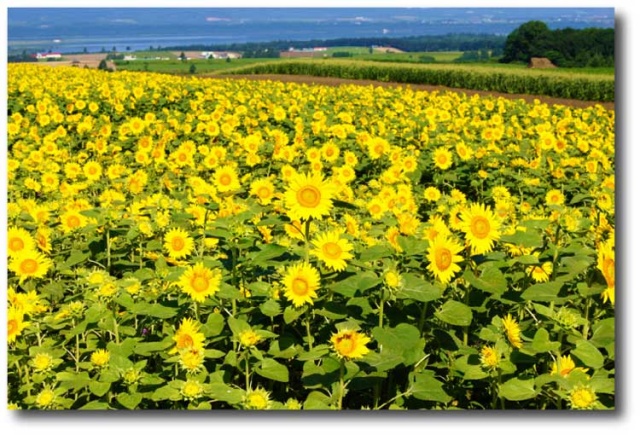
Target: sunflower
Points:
(263, 189)
(489, 357)
(442, 158)
(308, 196)
(30, 264)
(432, 194)
(565, 367)
(541, 273)
(512, 329)
(100, 358)
(225, 179)
(19, 240)
(554, 197)
(192, 359)
(178, 242)
(72, 220)
(582, 397)
(443, 258)
(200, 282)
(92, 170)
(15, 323)
(257, 399)
(350, 344)
(332, 250)
(481, 228)
(301, 282)
(607, 266)
(188, 336)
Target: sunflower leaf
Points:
(424, 386)
(517, 389)
(272, 369)
(455, 313)
(586, 352)
(547, 291)
(491, 280)
(418, 289)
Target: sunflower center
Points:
(177, 243)
(200, 283)
(16, 244)
(73, 222)
(443, 258)
(225, 179)
(185, 341)
(480, 227)
(442, 159)
(29, 266)
(332, 250)
(264, 192)
(346, 345)
(12, 326)
(300, 286)
(308, 196)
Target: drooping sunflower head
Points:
(350, 344)
(308, 196)
(512, 329)
(489, 357)
(332, 250)
(301, 282)
(15, 323)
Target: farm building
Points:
(47, 56)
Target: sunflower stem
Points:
(307, 227)
(308, 326)
(108, 250)
(341, 390)
(423, 316)
(195, 311)
(246, 370)
(381, 310)
(585, 327)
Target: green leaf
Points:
(272, 369)
(491, 280)
(587, 291)
(541, 342)
(412, 246)
(603, 332)
(588, 354)
(270, 308)
(417, 289)
(268, 252)
(424, 386)
(384, 360)
(146, 349)
(455, 313)
(99, 388)
(332, 310)
(214, 325)
(166, 392)
(367, 280)
(314, 354)
(403, 340)
(528, 239)
(376, 252)
(318, 401)
(547, 291)
(76, 257)
(154, 310)
(129, 401)
(517, 389)
(238, 326)
(291, 314)
(346, 287)
(226, 393)
(95, 405)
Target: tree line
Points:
(590, 47)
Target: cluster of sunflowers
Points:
(189, 243)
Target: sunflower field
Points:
(189, 243)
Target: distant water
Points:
(94, 29)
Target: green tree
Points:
(532, 39)
(192, 68)
(183, 57)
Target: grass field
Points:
(180, 67)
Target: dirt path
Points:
(333, 81)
